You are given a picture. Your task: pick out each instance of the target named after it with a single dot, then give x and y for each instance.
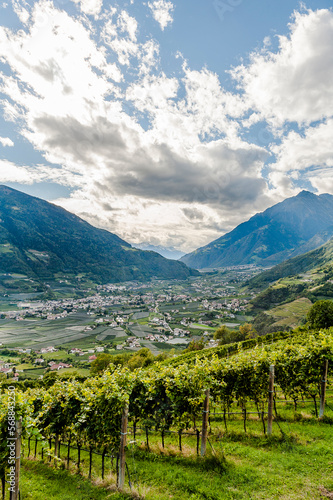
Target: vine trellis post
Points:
(204, 432)
(122, 457)
(270, 400)
(323, 388)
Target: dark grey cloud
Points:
(221, 174)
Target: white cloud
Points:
(90, 7)
(21, 10)
(162, 12)
(128, 24)
(295, 83)
(121, 37)
(5, 141)
(322, 180)
(302, 151)
(27, 174)
(149, 56)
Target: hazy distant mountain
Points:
(40, 239)
(289, 228)
(167, 252)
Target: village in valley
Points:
(67, 333)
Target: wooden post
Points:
(224, 419)
(122, 458)
(15, 494)
(323, 388)
(68, 450)
(90, 461)
(204, 431)
(103, 462)
(270, 400)
(78, 456)
(244, 419)
(56, 443)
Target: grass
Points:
(34, 373)
(40, 481)
(80, 371)
(292, 464)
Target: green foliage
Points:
(142, 358)
(248, 331)
(195, 345)
(276, 295)
(226, 336)
(321, 314)
(165, 395)
(262, 322)
(50, 378)
(101, 362)
(302, 263)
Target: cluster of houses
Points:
(58, 366)
(6, 367)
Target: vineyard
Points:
(224, 350)
(93, 416)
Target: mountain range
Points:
(292, 227)
(39, 239)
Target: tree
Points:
(100, 363)
(320, 314)
(195, 345)
(248, 331)
(226, 336)
(143, 357)
(221, 332)
(50, 378)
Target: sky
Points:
(167, 122)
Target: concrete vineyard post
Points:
(323, 388)
(205, 424)
(270, 400)
(122, 458)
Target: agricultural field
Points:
(161, 315)
(290, 315)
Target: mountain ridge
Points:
(40, 239)
(272, 236)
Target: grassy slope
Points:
(303, 263)
(290, 314)
(39, 481)
(296, 466)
